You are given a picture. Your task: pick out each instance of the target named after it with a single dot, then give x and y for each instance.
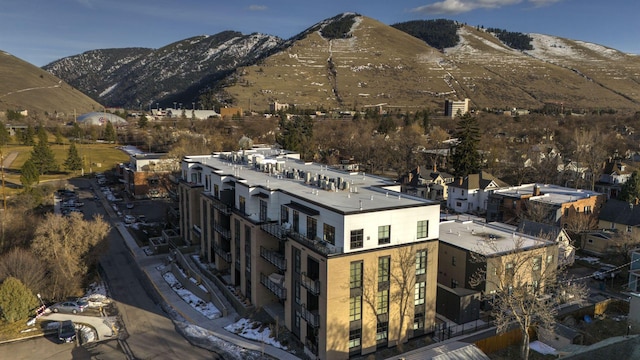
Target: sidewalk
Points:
(149, 265)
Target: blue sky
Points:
(41, 31)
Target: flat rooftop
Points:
(550, 194)
(486, 238)
(316, 183)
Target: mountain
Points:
(27, 87)
(352, 61)
(136, 77)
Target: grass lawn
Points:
(96, 158)
(9, 331)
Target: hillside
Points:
(379, 64)
(25, 86)
(353, 62)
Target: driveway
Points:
(101, 324)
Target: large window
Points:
(418, 321)
(263, 210)
(296, 221)
(355, 275)
(384, 234)
(383, 269)
(216, 191)
(382, 331)
(420, 293)
(354, 338)
(312, 228)
(243, 205)
(355, 308)
(329, 234)
(357, 237)
(422, 229)
(421, 262)
(537, 261)
(382, 302)
(284, 214)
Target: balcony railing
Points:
(276, 230)
(226, 233)
(274, 258)
(225, 255)
(319, 246)
(311, 317)
(310, 284)
(273, 286)
(220, 206)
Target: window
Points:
(509, 268)
(284, 214)
(382, 331)
(263, 210)
(296, 221)
(357, 237)
(355, 275)
(536, 263)
(329, 234)
(421, 262)
(549, 259)
(207, 182)
(243, 205)
(355, 308)
(418, 321)
(453, 261)
(423, 229)
(420, 293)
(384, 234)
(566, 211)
(216, 191)
(382, 302)
(454, 284)
(312, 228)
(383, 269)
(354, 338)
(297, 266)
(587, 209)
(236, 224)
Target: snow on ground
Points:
(255, 331)
(205, 308)
(96, 295)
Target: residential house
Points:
(614, 174)
(470, 194)
(566, 251)
(322, 250)
(620, 216)
(426, 184)
(469, 246)
(634, 273)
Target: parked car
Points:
(129, 219)
(606, 271)
(129, 205)
(73, 307)
(66, 331)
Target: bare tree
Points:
(524, 288)
(24, 266)
(69, 246)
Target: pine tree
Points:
(465, 158)
(26, 136)
(5, 136)
(73, 161)
(16, 300)
(43, 158)
(109, 132)
(29, 174)
(631, 189)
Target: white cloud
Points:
(461, 6)
(257, 7)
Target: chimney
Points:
(435, 168)
(460, 180)
(536, 190)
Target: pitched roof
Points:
(536, 229)
(479, 181)
(620, 212)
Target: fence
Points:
(444, 331)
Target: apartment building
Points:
(467, 246)
(456, 107)
(347, 260)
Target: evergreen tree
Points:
(16, 300)
(631, 189)
(58, 135)
(109, 132)
(26, 136)
(465, 158)
(5, 136)
(73, 162)
(29, 175)
(42, 135)
(76, 132)
(143, 122)
(43, 158)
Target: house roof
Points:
(536, 229)
(479, 181)
(620, 212)
(616, 167)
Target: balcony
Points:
(220, 206)
(310, 284)
(317, 245)
(274, 258)
(226, 233)
(225, 255)
(276, 230)
(311, 317)
(276, 287)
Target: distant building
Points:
(470, 194)
(454, 107)
(275, 106)
(101, 119)
(230, 112)
(188, 113)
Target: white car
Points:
(129, 219)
